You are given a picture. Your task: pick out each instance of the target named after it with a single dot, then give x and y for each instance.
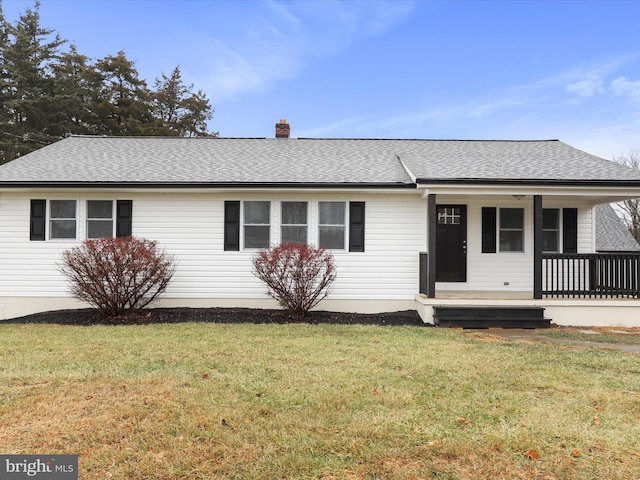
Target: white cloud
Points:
(625, 87)
(590, 81)
(586, 88)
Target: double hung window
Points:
(511, 232)
(99, 218)
(257, 224)
(62, 219)
(331, 226)
(294, 226)
(550, 230)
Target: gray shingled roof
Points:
(208, 160)
(546, 160)
(611, 233)
(238, 161)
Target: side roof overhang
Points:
(599, 190)
(17, 185)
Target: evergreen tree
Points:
(4, 90)
(121, 104)
(28, 85)
(180, 111)
(47, 93)
(75, 80)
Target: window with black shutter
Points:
(570, 230)
(38, 220)
(232, 225)
(356, 226)
(489, 229)
(124, 218)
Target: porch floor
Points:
(484, 296)
(481, 295)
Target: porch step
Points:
(489, 316)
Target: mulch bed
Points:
(85, 317)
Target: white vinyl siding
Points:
(190, 227)
(387, 269)
(29, 268)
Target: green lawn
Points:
(205, 401)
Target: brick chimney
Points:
(282, 129)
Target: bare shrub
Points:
(117, 276)
(298, 276)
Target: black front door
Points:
(451, 243)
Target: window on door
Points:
(449, 215)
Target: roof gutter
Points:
(205, 185)
(425, 182)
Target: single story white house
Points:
(413, 224)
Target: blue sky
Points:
(397, 69)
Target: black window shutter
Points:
(232, 226)
(489, 230)
(38, 220)
(124, 216)
(570, 230)
(356, 226)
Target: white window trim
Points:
(500, 229)
(558, 231)
(282, 224)
(313, 222)
(243, 224)
(88, 219)
(344, 225)
(49, 219)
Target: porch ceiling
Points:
(594, 195)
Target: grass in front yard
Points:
(196, 401)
